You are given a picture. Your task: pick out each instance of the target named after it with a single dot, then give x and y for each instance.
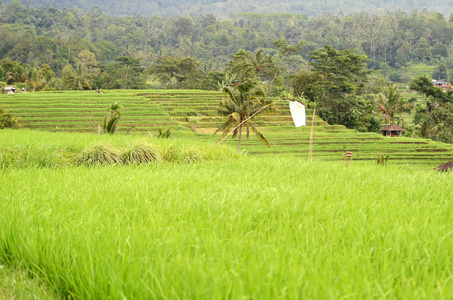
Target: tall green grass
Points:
(261, 228)
(26, 148)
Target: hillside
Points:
(222, 8)
(193, 114)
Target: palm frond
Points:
(230, 92)
(224, 126)
(112, 125)
(259, 135)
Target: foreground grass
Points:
(16, 284)
(262, 228)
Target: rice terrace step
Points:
(193, 113)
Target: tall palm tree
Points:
(81, 78)
(261, 64)
(34, 79)
(264, 67)
(18, 73)
(391, 102)
(243, 101)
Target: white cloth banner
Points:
(298, 113)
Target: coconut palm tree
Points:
(261, 64)
(264, 67)
(241, 103)
(391, 102)
(34, 78)
(81, 78)
(18, 73)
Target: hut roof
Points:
(445, 167)
(392, 127)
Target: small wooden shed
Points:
(392, 130)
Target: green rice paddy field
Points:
(193, 114)
(206, 223)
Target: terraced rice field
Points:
(193, 113)
(269, 226)
(82, 111)
(329, 143)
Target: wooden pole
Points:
(310, 147)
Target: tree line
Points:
(56, 36)
(340, 64)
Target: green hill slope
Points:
(193, 114)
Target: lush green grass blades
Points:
(246, 229)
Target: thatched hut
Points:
(392, 130)
(445, 167)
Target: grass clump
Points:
(37, 157)
(27, 148)
(100, 154)
(183, 154)
(141, 153)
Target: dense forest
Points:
(56, 37)
(223, 8)
(343, 64)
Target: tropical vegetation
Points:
(155, 208)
